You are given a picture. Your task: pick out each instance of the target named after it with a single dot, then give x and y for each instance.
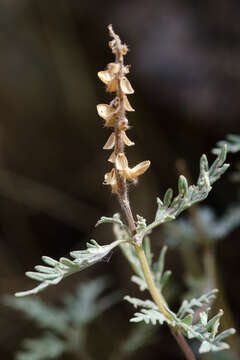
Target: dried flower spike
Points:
(114, 114)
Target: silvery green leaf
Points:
(158, 266)
(113, 220)
(160, 276)
(164, 279)
(225, 334)
(140, 336)
(65, 267)
(147, 304)
(182, 185)
(168, 197)
(203, 318)
(45, 316)
(140, 282)
(183, 233)
(170, 208)
(203, 330)
(149, 316)
(188, 306)
(87, 302)
(147, 250)
(207, 347)
(48, 346)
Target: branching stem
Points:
(125, 205)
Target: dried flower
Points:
(111, 140)
(131, 173)
(110, 179)
(127, 104)
(126, 86)
(108, 113)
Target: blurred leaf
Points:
(232, 142)
(47, 347)
(84, 306)
(45, 316)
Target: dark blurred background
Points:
(185, 59)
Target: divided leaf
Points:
(183, 232)
(48, 346)
(189, 306)
(87, 303)
(58, 270)
(205, 331)
(149, 317)
(45, 316)
(147, 304)
(160, 276)
(169, 208)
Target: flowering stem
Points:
(156, 295)
(119, 144)
(122, 172)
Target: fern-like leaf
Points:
(45, 316)
(86, 303)
(149, 317)
(188, 306)
(170, 207)
(183, 232)
(147, 304)
(57, 270)
(205, 331)
(47, 347)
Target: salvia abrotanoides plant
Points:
(133, 236)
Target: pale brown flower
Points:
(111, 140)
(123, 124)
(110, 179)
(108, 113)
(130, 173)
(106, 76)
(109, 76)
(126, 86)
(127, 104)
(112, 157)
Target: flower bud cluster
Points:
(114, 115)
